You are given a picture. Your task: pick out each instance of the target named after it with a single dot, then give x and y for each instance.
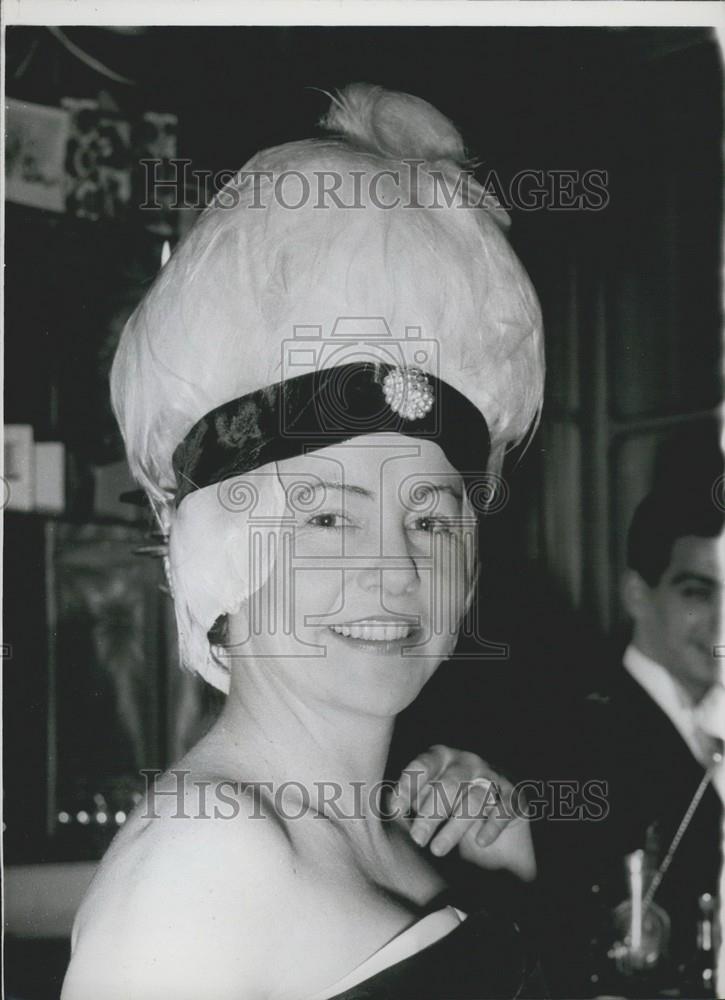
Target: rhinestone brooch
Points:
(408, 393)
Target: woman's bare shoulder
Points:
(186, 901)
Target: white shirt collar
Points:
(666, 692)
(682, 712)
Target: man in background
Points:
(652, 734)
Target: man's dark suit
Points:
(622, 736)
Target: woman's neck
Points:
(318, 752)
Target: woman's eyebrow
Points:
(440, 488)
(360, 491)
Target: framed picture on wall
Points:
(92, 674)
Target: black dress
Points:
(482, 958)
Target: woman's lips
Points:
(375, 630)
(379, 632)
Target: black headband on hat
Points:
(322, 408)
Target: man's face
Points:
(678, 622)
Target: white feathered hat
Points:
(374, 245)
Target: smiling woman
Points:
(318, 477)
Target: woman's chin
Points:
(393, 671)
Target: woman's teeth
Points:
(374, 631)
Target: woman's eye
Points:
(432, 525)
(326, 521)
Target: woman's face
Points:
(371, 576)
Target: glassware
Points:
(641, 927)
(703, 971)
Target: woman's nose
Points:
(396, 575)
(393, 570)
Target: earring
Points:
(167, 574)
